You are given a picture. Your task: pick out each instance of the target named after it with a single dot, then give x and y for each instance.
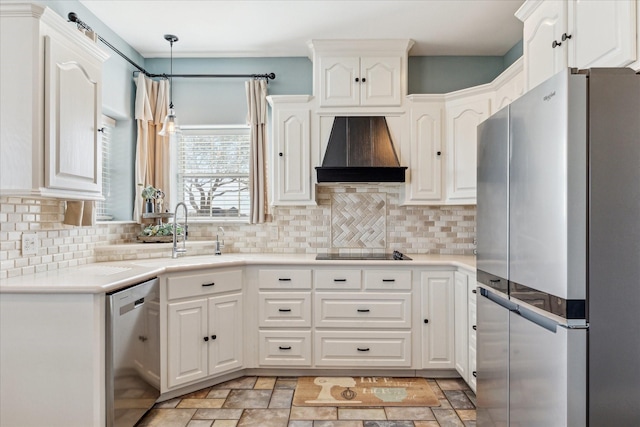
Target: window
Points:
(103, 207)
(213, 172)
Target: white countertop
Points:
(111, 276)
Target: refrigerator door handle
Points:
(497, 299)
(537, 319)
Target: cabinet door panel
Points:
(545, 25)
(461, 332)
(338, 81)
(73, 156)
(225, 333)
(462, 147)
(437, 310)
(425, 181)
(187, 350)
(603, 33)
(380, 81)
(293, 167)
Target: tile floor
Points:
(266, 402)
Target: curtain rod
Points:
(73, 17)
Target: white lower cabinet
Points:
(437, 302)
(204, 325)
(461, 325)
(284, 317)
(472, 298)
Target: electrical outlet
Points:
(30, 244)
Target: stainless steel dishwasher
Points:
(133, 352)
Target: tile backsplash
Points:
(346, 218)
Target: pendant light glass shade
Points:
(170, 123)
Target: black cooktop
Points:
(395, 255)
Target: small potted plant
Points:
(149, 195)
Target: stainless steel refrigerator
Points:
(558, 233)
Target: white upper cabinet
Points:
(360, 73)
(542, 27)
(51, 84)
(604, 33)
(424, 152)
(291, 170)
(577, 33)
(463, 117)
(354, 81)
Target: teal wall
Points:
(443, 74)
(513, 54)
(223, 100)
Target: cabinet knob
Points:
(426, 320)
(473, 291)
(206, 338)
(281, 154)
(555, 44)
(364, 80)
(439, 153)
(475, 374)
(213, 337)
(357, 80)
(565, 37)
(475, 328)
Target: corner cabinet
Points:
(291, 164)
(360, 73)
(51, 83)
(577, 33)
(203, 321)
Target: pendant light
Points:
(170, 124)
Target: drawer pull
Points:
(284, 279)
(475, 328)
(363, 310)
(284, 310)
(208, 284)
(363, 349)
(285, 348)
(388, 280)
(339, 280)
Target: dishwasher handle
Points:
(131, 306)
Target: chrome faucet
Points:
(175, 252)
(219, 245)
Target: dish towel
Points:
(79, 213)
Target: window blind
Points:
(103, 208)
(213, 172)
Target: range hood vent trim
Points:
(360, 150)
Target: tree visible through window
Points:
(213, 172)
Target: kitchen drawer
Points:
(362, 348)
(387, 280)
(285, 348)
(284, 279)
(337, 279)
(284, 309)
(206, 283)
(362, 310)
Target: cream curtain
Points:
(152, 150)
(257, 119)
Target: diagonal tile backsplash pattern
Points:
(358, 220)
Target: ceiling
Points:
(262, 28)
